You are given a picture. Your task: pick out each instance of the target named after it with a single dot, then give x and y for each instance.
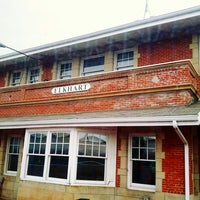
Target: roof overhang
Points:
(145, 30)
(190, 120)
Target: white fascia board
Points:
(104, 122)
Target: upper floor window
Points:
(34, 75)
(15, 78)
(93, 65)
(69, 156)
(124, 59)
(12, 155)
(65, 70)
(142, 162)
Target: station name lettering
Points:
(71, 88)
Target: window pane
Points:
(12, 162)
(35, 165)
(143, 172)
(81, 150)
(143, 154)
(65, 70)
(66, 149)
(135, 153)
(53, 149)
(151, 142)
(59, 149)
(60, 143)
(135, 142)
(42, 150)
(31, 148)
(66, 138)
(32, 138)
(60, 138)
(143, 141)
(58, 167)
(89, 150)
(151, 154)
(90, 169)
(125, 59)
(92, 144)
(38, 138)
(102, 151)
(34, 75)
(95, 150)
(93, 65)
(16, 77)
(53, 137)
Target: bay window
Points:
(70, 156)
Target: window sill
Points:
(65, 182)
(143, 187)
(9, 173)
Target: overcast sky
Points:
(29, 23)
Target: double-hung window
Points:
(70, 156)
(142, 162)
(48, 155)
(124, 59)
(93, 65)
(34, 75)
(92, 157)
(15, 78)
(12, 155)
(65, 70)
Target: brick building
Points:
(108, 115)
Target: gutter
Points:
(186, 158)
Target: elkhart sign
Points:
(71, 88)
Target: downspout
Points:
(186, 159)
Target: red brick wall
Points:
(47, 73)
(114, 91)
(101, 104)
(165, 51)
(173, 164)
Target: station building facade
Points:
(108, 115)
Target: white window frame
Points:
(29, 75)
(12, 83)
(137, 186)
(72, 164)
(98, 71)
(123, 67)
(59, 76)
(6, 171)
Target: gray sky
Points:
(28, 23)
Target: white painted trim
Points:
(190, 120)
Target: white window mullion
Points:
(73, 152)
(47, 156)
